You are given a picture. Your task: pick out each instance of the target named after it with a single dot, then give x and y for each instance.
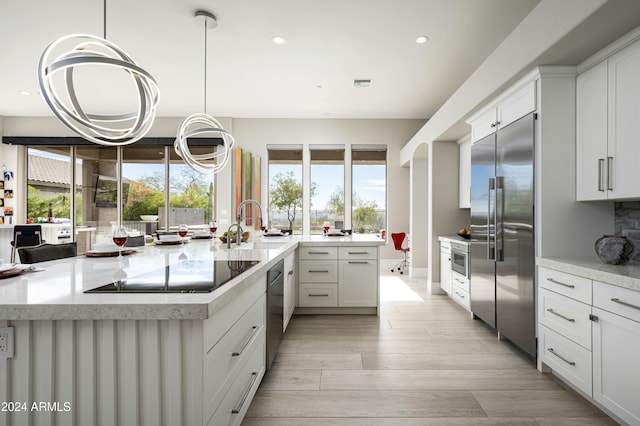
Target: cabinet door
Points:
(616, 345)
(358, 283)
(290, 285)
(483, 124)
(516, 105)
(624, 123)
(591, 133)
(445, 271)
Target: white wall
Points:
(419, 216)
(254, 134)
(445, 217)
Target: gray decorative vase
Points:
(614, 249)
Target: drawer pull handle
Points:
(358, 262)
(319, 295)
(551, 311)
(459, 280)
(358, 252)
(631, 305)
(238, 408)
(551, 280)
(461, 295)
(318, 271)
(318, 252)
(561, 357)
(254, 330)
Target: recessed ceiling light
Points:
(24, 92)
(422, 39)
(278, 40)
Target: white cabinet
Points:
(445, 267)
(358, 276)
(460, 290)
(608, 107)
(464, 191)
(289, 288)
(344, 277)
(591, 133)
(507, 109)
(616, 345)
(589, 334)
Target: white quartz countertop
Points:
(57, 292)
(627, 276)
(454, 238)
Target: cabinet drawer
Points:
(318, 271)
(317, 253)
(566, 358)
(620, 301)
(460, 281)
(461, 296)
(231, 351)
(237, 399)
(318, 295)
(569, 285)
(566, 316)
(346, 253)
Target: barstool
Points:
(25, 236)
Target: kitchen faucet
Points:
(239, 217)
(244, 203)
(238, 235)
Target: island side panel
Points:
(143, 372)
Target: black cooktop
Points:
(188, 276)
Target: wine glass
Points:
(120, 239)
(326, 227)
(182, 231)
(213, 227)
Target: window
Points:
(327, 187)
(96, 213)
(191, 193)
(144, 188)
(285, 188)
(49, 187)
(368, 188)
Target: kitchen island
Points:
(144, 359)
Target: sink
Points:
(259, 245)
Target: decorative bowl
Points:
(149, 218)
(465, 236)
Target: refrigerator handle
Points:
(491, 254)
(499, 220)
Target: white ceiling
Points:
(329, 43)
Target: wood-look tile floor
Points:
(424, 361)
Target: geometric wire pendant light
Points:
(202, 123)
(105, 129)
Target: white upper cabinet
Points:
(591, 133)
(608, 125)
(507, 109)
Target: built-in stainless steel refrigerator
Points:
(502, 235)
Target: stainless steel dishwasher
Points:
(275, 310)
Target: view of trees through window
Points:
(49, 192)
(327, 188)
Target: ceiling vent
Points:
(361, 82)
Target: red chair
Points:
(398, 239)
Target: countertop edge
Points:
(625, 276)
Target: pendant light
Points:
(103, 129)
(202, 123)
